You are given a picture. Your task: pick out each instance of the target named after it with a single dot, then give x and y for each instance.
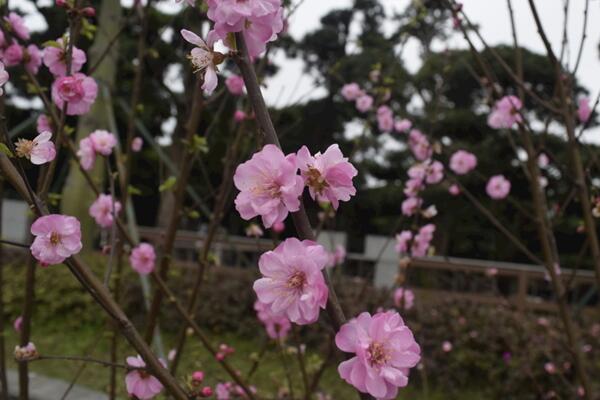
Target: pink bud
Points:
(61, 3)
(197, 377)
(220, 356)
(89, 12)
(206, 391)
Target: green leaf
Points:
(4, 149)
(52, 43)
(69, 130)
(193, 214)
(168, 184)
(199, 144)
(132, 190)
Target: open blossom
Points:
(55, 58)
(39, 151)
(86, 153)
(454, 190)
(351, 91)
(292, 282)
(402, 125)
(584, 111)
(385, 119)
(328, 175)
(33, 59)
(434, 172)
(364, 103)
(404, 298)
(3, 78)
(13, 55)
(78, 91)
(421, 241)
(102, 210)
(498, 187)
(57, 237)
(103, 141)
(139, 383)
(385, 350)
(259, 21)
(462, 162)
(136, 144)
(277, 325)
(235, 85)
(17, 25)
(269, 186)
(26, 353)
(142, 258)
(204, 59)
(402, 241)
(419, 145)
(411, 205)
(505, 113)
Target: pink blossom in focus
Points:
(17, 25)
(402, 125)
(102, 210)
(18, 324)
(454, 190)
(462, 162)
(292, 282)
(136, 144)
(235, 85)
(39, 151)
(277, 325)
(142, 258)
(55, 58)
(447, 346)
(103, 141)
(13, 55)
(269, 186)
(498, 187)
(328, 175)
(411, 205)
(33, 59)
(364, 103)
(385, 119)
(86, 153)
(402, 241)
(584, 111)
(384, 349)
(203, 59)
(3, 78)
(78, 91)
(404, 298)
(139, 383)
(351, 91)
(505, 113)
(57, 237)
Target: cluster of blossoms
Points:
(416, 245)
(505, 113)
(224, 351)
(271, 187)
(26, 353)
(99, 142)
(13, 53)
(197, 379)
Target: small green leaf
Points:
(69, 130)
(168, 184)
(193, 214)
(199, 144)
(52, 43)
(133, 190)
(4, 149)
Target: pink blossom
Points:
(57, 237)
(26, 353)
(86, 153)
(222, 390)
(351, 91)
(3, 78)
(103, 141)
(584, 111)
(550, 368)
(206, 390)
(43, 124)
(543, 160)
(454, 190)
(139, 383)
(422, 240)
(462, 162)
(239, 116)
(269, 186)
(18, 324)
(411, 205)
(33, 59)
(384, 349)
(447, 346)
(17, 25)
(277, 325)
(404, 298)
(419, 145)
(402, 241)
(498, 187)
(55, 58)
(339, 254)
(278, 227)
(402, 125)
(203, 59)
(292, 282)
(505, 113)
(235, 85)
(434, 172)
(197, 377)
(13, 55)
(364, 103)
(142, 258)
(39, 151)
(328, 175)
(102, 210)
(78, 91)
(413, 186)
(385, 119)
(136, 144)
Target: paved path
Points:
(44, 388)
